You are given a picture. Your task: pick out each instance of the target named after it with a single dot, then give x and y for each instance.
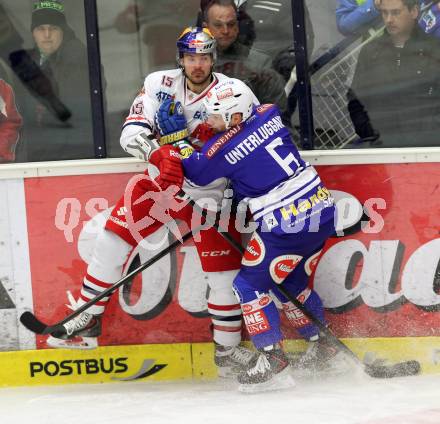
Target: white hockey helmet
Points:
(229, 97)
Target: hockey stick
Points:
(32, 323)
(376, 370)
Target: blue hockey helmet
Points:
(196, 40)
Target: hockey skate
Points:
(77, 342)
(78, 333)
(231, 360)
(271, 371)
(321, 358)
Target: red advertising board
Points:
(386, 282)
(380, 281)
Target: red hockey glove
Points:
(167, 160)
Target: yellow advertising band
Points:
(161, 362)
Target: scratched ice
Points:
(357, 400)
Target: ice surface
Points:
(355, 400)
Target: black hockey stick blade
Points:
(400, 369)
(32, 323)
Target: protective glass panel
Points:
(44, 85)
(374, 72)
(261, 51)
(139, 37)
(136, 38)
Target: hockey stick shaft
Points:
(32, 323)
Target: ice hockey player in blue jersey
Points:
(294, 215)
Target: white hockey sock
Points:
(225, 309)
(105, 269)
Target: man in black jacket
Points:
(54, 94)
(237, 59)
(394, 99)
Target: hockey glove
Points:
(167, 161)
(142, 146)
(171, 122)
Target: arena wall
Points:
(380, 284)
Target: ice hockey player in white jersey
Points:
(188, 84)
(294, 215)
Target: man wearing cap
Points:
(57, 121)
(48, 24)
(239, 60)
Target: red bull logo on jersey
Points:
(282, 266)
(255, 251)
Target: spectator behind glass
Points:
(268, 28)
(241, 61)
(57, 117)
(246, 25)
(394, 100)
(354, 16)
(10, 123)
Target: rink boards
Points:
(172, 362)
(380, 284)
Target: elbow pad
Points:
(142, 145)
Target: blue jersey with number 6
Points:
(284, 193)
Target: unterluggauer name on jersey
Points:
(252, 141)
